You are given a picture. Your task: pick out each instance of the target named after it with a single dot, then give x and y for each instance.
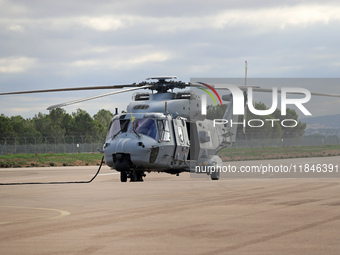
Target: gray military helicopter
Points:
(165, 131)
(162, 131)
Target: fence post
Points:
(35, 144)
(91, 143)
(3, 148)
(25, 143)
(55, 144)
(45, 143)
(72, 144)
(15, 144)
(82, 143)
(99, 140)
(64, 144)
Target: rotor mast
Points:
(162, 85)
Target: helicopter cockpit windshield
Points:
(157, 129)
(145, 127)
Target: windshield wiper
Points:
(134, 130)
(116, 134)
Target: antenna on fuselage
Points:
(246, 67)
(245, 96)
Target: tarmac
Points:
(168, 214)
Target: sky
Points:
(58, 44)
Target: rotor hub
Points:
(164, 83)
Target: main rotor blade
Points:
(95, 97)
(221, 86)
(70, 89)
(259, 89)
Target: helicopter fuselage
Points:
(146, 141)
(148, 137)
(163, 132)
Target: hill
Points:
(323, 124)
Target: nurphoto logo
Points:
(239, 99)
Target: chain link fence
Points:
(263, 141)
(88, 143)
(50, 144)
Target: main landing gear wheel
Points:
(136, 176)
(123, 176)
(215, 175)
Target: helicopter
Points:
(166, 131)
(160, 132)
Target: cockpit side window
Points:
(124, 125)
(164, 130)
(116, 127)
(113, 129)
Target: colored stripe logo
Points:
(209, 93)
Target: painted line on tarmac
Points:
(109, 174)
(62, 213)
(24, 179)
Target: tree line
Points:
(57, 123)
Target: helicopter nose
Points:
(135, 149)
(122, 162)
(120, 145)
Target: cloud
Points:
(15, 28)
(123, 62)
(54, 44)
(16, 64)
(282, 17)
(278, 17)
(105, 23)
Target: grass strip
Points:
(227, 154)
(49, 159)
(237, 154)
